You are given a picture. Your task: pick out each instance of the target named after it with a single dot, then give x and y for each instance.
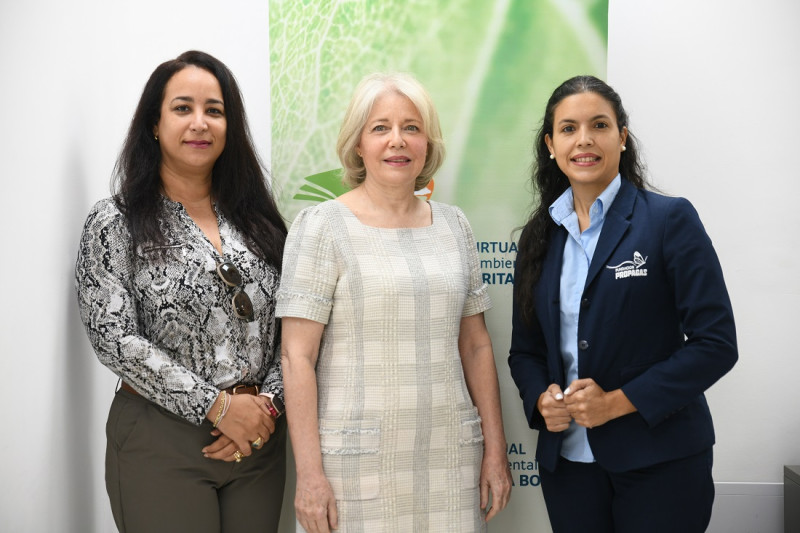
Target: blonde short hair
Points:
(367, 91)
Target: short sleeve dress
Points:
(401, 439)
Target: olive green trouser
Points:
(158, 480)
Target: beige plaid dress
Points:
(401, 439)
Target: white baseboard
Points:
(747, 508)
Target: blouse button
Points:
(583, 345)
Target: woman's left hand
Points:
(247, 420)
(222, 449)
(495, 479)
(590, 406)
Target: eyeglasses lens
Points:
(229, 274)
(242, 305)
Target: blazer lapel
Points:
(614, 228)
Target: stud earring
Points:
(623, 148)
(155, 136)
(552, 156)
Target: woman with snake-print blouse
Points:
(176, 277)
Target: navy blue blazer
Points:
(655, 321)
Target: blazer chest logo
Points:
(629, 269)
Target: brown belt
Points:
(236, 389)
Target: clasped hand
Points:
(583, 401)
(247, 419)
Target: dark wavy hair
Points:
(549, 182)
(239, 180)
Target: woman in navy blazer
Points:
(621, 322)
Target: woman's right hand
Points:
(247, 419)
(553, 409)
(315, 505)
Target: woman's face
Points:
(393, 144)
(586, 140)
(191, 130)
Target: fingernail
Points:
(560, 396)
(566, 391)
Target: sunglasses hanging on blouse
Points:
(242, 305)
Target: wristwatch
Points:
(275, 405)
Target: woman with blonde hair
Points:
(392, 393)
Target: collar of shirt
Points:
(562, 211)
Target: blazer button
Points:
(583, 345)
(585, 303)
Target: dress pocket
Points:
(470, 443)
(350, 457)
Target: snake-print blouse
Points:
(163, 320)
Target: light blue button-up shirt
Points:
(578, 253)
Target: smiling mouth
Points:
(397, 160)
(586, 159)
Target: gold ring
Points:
(238, 456)
(257, 443)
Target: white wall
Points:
(712, 90)
(711, 87)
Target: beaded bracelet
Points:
(221, 410)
